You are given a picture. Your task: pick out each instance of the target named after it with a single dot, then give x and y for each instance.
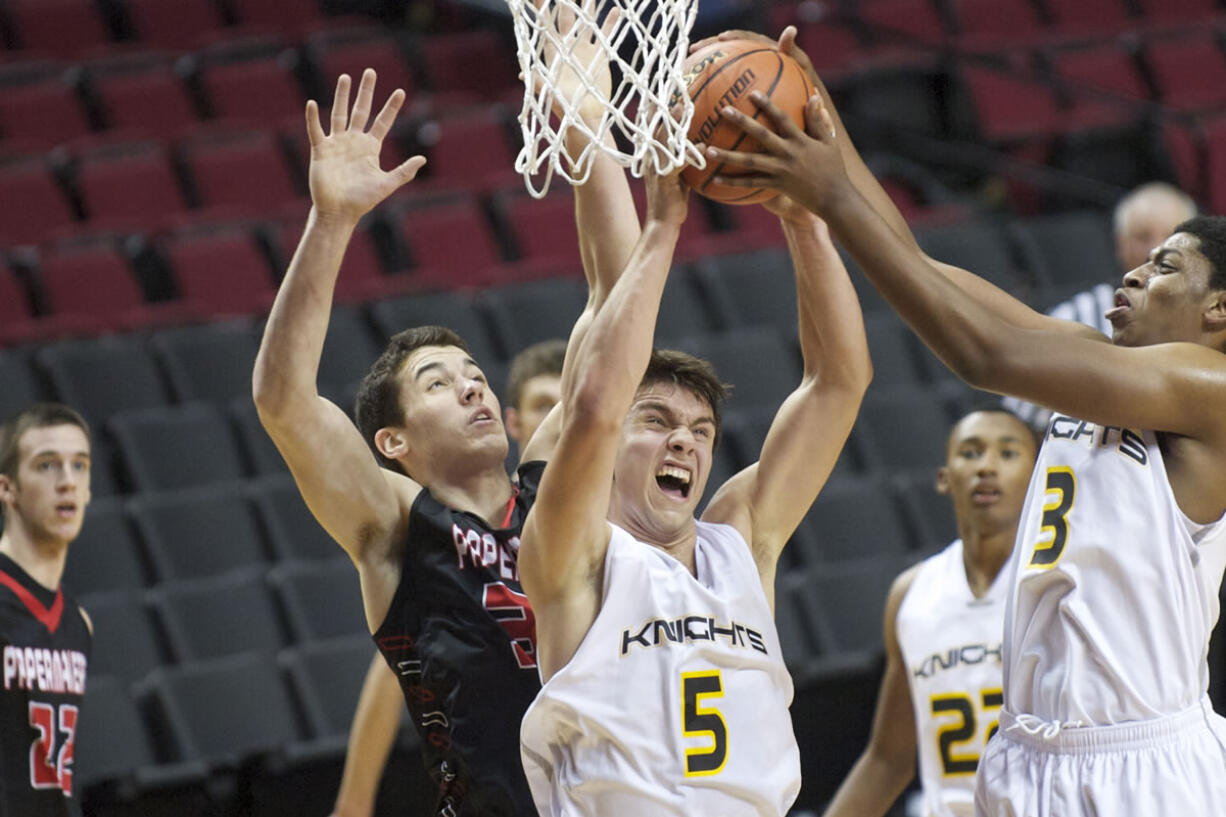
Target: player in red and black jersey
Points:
(433, 531)
(44, 636)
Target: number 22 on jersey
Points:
(962, 727)
(701, 720)
(51, 768)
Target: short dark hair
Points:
(1211, 232)
(39, 415)
(544, 358)
(984, 407)
(377, 404)
(690, 372)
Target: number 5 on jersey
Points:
(698, 720)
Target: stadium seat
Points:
(44, 204)
(1088, 19)
(141, 91)
(683, 308)
(275, 14)
(1104, 84)
(905, 21)
(86, 374)
(848, 600)
(327, 677)
(543, 229)
(797, 636)
(351, 50)
(527, 313)
(977, 245)
(1178, 13)
(15, 306)
(932, 514)
(1010, 108)
(450, 242)
(21, 387)
(1215, 164)
(470, 65)
(893, 347)
(112, 741)
(167, 448)
(1185, 71)
(238, 168)
(468, 149)
(903, 427)
(107, 555)
(750, 288)
(833, 48)
(458, 311)
(262, 456)
(127, 644)
(199, 532)
(1067, 247)
(102, 481)
(127, 180)
(219, 615)
(321, 598)
(62, 27)
(986, 25)
(853, 519)
(253, 84)
(39, 102)
(220, 272)
(350, 348)
(362, 277)
(210, 361)
(761, 366)
(92, 280)
(292, 530)
(224, 711)
(745, 433)
(183, 24)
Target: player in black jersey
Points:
(44, 636)
(434, 531)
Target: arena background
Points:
(152, 187)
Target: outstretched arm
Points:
(887, 764)
(1174, 387)
(566, 534)
(375, 724)
(880, 202)
(767, 501)
(605, 217)
(357, 502)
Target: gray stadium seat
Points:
(107, 555)
(220, 615)
(177, 447)
(322, 599)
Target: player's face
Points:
(1164, 299)
(449, 408)
(537, 396)
(51, 489)
(987, 470)
(664, 460)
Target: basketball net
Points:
(574, 74)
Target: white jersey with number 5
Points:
(676, 702)
(1115, 590)
(951, 648)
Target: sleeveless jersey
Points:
(45, 644)
(951, 649)
(1115, 590)
(676, 702)
(460, 636)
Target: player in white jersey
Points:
(664, 687)
(940, 694)
(1119, 555)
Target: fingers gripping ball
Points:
(722, 75)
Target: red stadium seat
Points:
(128, 180)
(1187, 71)
(991, 24)
(239, 168)
(830, 46)
(142, 92)
(14, 302)
(1088, 18)
(259, 87)
(275, 14)
(32, 202)
(61, 27)
(93, 281)
(451, 243)
(220, 271)
(1215, 164)
(39, 104)
(1177, 12)
(917, 20)
(180, 24)
(543, 229)
(1011, 108)
(468, 149)
(1104, 84)
(470, 65)
(352, 50)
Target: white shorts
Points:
(1168, 766)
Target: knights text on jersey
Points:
(45, 644)
(676, 702)
(460, 636)
(1114, 590)
(951, 649)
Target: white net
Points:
(596, 69)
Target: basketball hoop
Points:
(574, 74)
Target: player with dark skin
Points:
(1160, 379)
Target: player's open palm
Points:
(345, 177)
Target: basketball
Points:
(722, 75)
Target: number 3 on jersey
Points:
(701, 721)
(1061, 487)
(51, 769)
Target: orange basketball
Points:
(722, 75)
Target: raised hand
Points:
(579, 69)
(667, 196)
(805, 166)
(345, 178)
